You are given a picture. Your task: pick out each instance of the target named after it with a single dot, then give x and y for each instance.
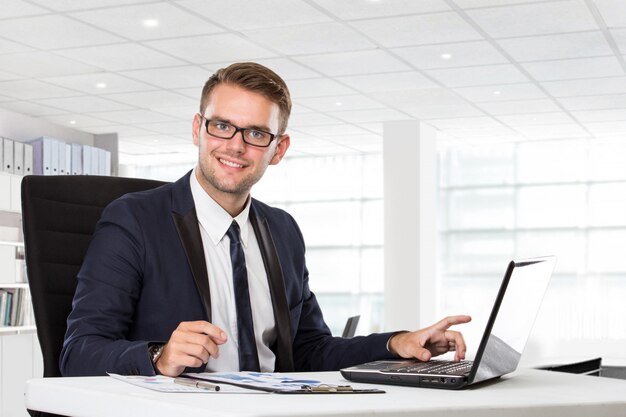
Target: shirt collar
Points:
(213, 218)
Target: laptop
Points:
(507, 330)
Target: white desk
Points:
(525, 393)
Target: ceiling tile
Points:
(519, 106)
(129, 117)
(76, 121)
(483, 75)
(172, 78)
(311, 39)
(374, 115)
(43, 64)
(417, 30)
(340, 103)
(17, 8)
(425, 112)
(553, 131)
(84, 104)
(35, 31)
(608, 115)
(462, 54)
(183, 112)
(212, 48)
(608, 101)
(591, 86)
(68, 5)
(411, 80)
(258, 14)
(465, 123)
(359, 9)
(7, 76)
(119, 57)
(128, 21)
(32, 109)
(574, 68)
(298, 121)
(522, 91)
(534, 19)
(9, 47)
(612, 12)
(32, 90)
(536, 119)
(331, 130)
(562, 46)
(351, 63)
(317, 87)
(175, 128)
(620, 38)
(480, 132)
(470, 4)
(418, 97)
(152, 99)
(88, 83)
(116, 127)
(607, 128)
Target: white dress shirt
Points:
(214, 221)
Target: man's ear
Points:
(195, 128)
(281, 149)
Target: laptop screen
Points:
(512, 317)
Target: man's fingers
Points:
(450, 321)
(456, 343)
(215, 333)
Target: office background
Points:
(528, 99)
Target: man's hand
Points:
(431, 341)
(191, 344)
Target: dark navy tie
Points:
(248, 356)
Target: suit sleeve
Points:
(109, 285)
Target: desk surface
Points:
(524, 393)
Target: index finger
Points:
(201, 326)
(449, 321)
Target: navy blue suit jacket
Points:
(145, 272)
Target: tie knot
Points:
(233, 232)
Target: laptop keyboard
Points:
(434, 367)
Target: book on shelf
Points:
(15, 307)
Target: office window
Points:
(525, 199)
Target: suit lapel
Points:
(189, 233)
(284, 353)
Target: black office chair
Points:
(59, 215)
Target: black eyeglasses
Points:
(223, 130)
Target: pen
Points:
(197, 384)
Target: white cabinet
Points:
(20, 360)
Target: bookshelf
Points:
(20, 355)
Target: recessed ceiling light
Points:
(497, 92)
(446, 56)
(339, 103)
(72, 122)
(101, 85)
(150, 23)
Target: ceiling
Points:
(477, 70)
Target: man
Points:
(196, 275)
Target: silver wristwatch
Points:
(155, 352)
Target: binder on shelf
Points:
(77, 159)
(86, 158)
(95, 162)
(61, 151)
(42, 155)
(18, 158)
(68, 159)
(54, 157)
(28, 159)
(107, 163)
(102, 160)
(7, 155)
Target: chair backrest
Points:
(59, 215)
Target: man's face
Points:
(230, 167)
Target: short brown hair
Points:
(256, 78)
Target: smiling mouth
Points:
(230, 164)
